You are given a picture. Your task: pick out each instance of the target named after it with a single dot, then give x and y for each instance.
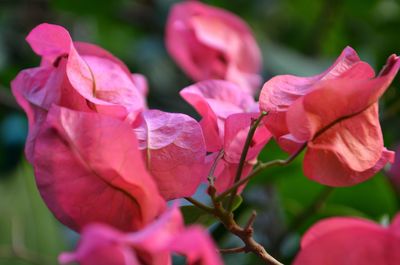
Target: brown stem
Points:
(232, 250)
(245, 234)
(200, 205)
(251, 220)
(259, 168)
(243, 156)
(211, 177)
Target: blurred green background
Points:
(296, 37)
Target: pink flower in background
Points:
(336, 113)
(104, 245)
(76, 75)
(340, 241)
(88, 168)
(212, 43)
(174, 150)
(394, 172)
(227, 113)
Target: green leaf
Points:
(237, 201)
(194, 215)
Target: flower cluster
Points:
(106, 164)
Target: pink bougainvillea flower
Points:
(227, 113)
(104, 245)
(174, 149)
(215, 100)
(76, 75)
(336, 113)
(197, 36)
(338, 241)
(88, 168)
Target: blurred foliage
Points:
(296, 37)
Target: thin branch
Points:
(200, 205)
(211, 177)
(245, 234)
(243, 156)
(259, 168)
(232, 250)
(251, 220)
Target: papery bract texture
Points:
(227, 114)
(336, 114)
(338, 241)
(215, 101)
(153, 245)
(76, 75)
(88, 168)
(211, 43)
(174, 150)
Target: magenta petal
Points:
(225, 174)
(152, 245)
(101, 245)
(196, 37)
(49, 41)
(349, 152)
(281, 91)
(88, 49)
(331, 225)
(237, 127)
(34, 90)
(105, 180)
(196, 245)
(87, 77)
(349, 241)
(141, 84)
(215, 100)
(174, 148)
(334, 99)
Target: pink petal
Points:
(334, 99)
(281, 91)
(332, 225)
(101, 245)
(106, 180)
(349, 241)
(225, 174)
(196, 245)
(89, 49)
(49, 41)
(196, 35)
(157, 235)
(113, 93)
(174, 149)
(349, 152)
(289, 143)
(395, 225)
(215, 100)
(152, 245)
(141, 84)
(236, 130)
(30, 88)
